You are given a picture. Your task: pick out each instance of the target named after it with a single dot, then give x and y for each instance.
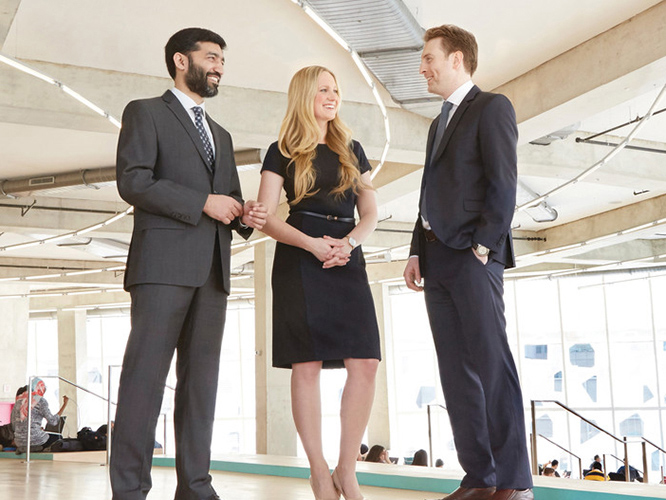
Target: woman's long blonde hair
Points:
(299, 136)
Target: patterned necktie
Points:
(439, 133)
(198, 122)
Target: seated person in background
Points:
(634, 475)
(363, 453)
(553, 464)
(39, 410)
(439, 463)
(595, 474)
(596, 460)
(420, 458)
(378, 454)
(7, 430)
(549, 471)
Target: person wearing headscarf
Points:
(33, 402)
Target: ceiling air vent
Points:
(41, 181)
(388, 39)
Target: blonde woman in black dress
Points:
(323, 312)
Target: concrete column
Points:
(73, 366)
(379, 427)
(13, 343)
(276, 433)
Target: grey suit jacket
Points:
(471, 178)
(163, 171)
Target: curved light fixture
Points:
(60, 237)
(303, 4)
(14, 63)
(616, 150)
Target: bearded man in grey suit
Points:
(461, 245)
(176, 166)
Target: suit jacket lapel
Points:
(176, 107)
(460, 111)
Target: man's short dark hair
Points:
(455, 39)
(21, 390)
(186, 41)
(555, 462)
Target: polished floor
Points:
(57, 480)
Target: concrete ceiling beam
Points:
(566, 159)
(18, 267)
(252, 116)
(120, 298)
(8, 10)
(613, 67)
(58, 215)
(608, 223)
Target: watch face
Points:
(481, 250)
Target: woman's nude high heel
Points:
(338, 486)
(315, 495)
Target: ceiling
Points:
(570, 65)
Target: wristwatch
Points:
(480, 250)
(352, 241)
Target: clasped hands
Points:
(331, 251)
(225, 209)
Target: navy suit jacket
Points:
(162, 169)
(471, 178)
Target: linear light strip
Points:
(21, 66)
(14, 63)
(364, 72)
(78, 232)
(65, 274)
(615, 151)
(57, 294)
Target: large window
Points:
(597, 344)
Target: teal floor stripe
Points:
(33, 456)
(397, 481)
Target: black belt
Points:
(327, 217)
(429, 235)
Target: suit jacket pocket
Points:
(473, 205)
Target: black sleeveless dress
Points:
(320, 314)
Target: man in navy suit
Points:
(461, 245)
(176, 166)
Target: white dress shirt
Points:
(188, 103)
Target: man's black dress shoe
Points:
(471, 494)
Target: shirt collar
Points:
(187, 102)
(459, 94)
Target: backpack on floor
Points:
(91, 440)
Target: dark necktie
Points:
(439, 133)
(198, 122)
(441, 127)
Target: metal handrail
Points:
(30, 379)
(644, 441)
(620, 460)
(589, 422)
(580, 461)
(430, 429)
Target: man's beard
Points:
(197, 80)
